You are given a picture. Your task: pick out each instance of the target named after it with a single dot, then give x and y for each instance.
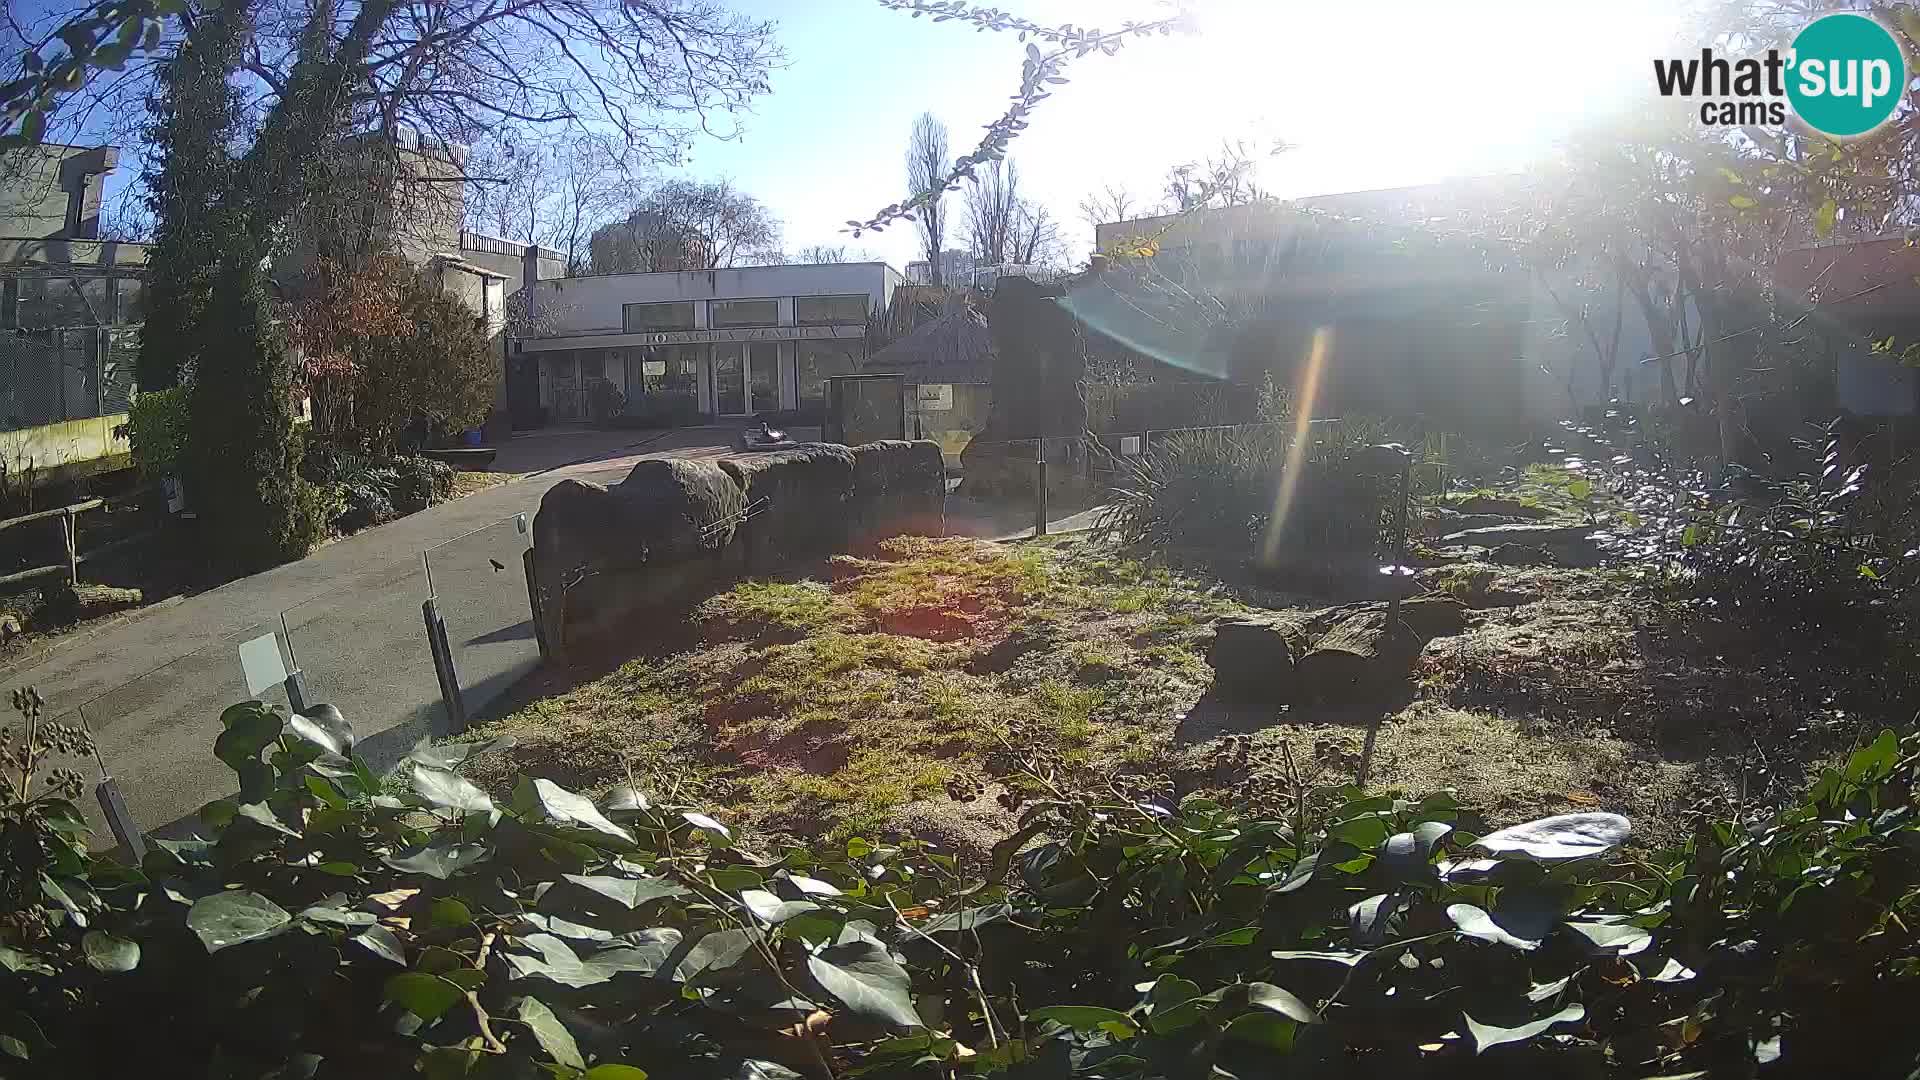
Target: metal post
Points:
(443, 667)
(1040, 487)
(533, 606)
(1399, 545)
(296, 685)
(73, 556)
(119, 819)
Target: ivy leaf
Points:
(1612, 940)
(1489, 1035)
(1269, 996)
(867, 981)
(337, 916)
(440, 787)
(16, 960)
(626, 797)
(425, 996)
(546, 956)
(563, 807)
(234, 917)
(1406, 854)
(717, 951)
(967, 918)
(324, 727)
(1563, 836)
(1344, 959)
(702, 821)
(811, 886)
(381, 942)
(439, 861)
(1673, 971)
(1368, 919)
(1474, 922)
(1088, 1018)
(1263, 1029)
(772, 910)
(108, 952)
(629, 893)
(613, 1070)
(249, 728)
(553, 1036)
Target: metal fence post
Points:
(533, 606)
(1040, 487)
(443, 667)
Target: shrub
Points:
(156, 430)
(604, 401)
(421, 482)
(338, 923)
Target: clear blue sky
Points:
(1373, 95)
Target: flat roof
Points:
(719, 269)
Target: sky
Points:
(1380, 94)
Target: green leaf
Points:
(967, 919)
(617, 1071)
(1673, 971)
(261, 814)
(563, 807)
(1269, 996)
(772, 910)
(629, 893)
(1263, 1029)
(448, 911)
(1563, 836)
(867, 981)
(1612, 940)
(547, 956)
(1344, 959)
(425, 996)
(1486, 1036)
(1088, 1018)
(250, 727)
(626, 797)
(324, 727)
(717, 951)
(235, 917)
(381, 942)
(1742, 202)
(859, 847)
(452, 754)
(441, 861)
(334, 916)
(1875, 760)
(554, 1037)
(1823, 218)
(449, 789)
(108, 952)
(1476, 923)
(702, 821)
(16, 960)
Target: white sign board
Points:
(655, 367)
(1129, 446)
(935, 397)
(262, 664)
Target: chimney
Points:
(530, 280)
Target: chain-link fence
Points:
(49, 376)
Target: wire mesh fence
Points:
(69, 374)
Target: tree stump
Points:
(1252, 659)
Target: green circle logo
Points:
(1846, 75)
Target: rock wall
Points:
(608, 559)
(806, 491)
(647, 546)
(900, 489)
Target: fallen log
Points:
(1358, 659)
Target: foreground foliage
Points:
(330, 928)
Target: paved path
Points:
(152, 688)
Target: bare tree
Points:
(1225, 180)
(1034, 238)
(688, 225)
(1108, 205)
(588, 193)
(814, 254)
(927, 167)
(993, 208)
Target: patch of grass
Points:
(1069, 711)
(789, 605)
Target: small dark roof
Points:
(956, 347)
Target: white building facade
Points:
(716, 343)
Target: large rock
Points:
(797, 502)
(1252, 659)
(648, 547)
(899, 489)
(1571, 545)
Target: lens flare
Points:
(1303, 399)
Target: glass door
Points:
(764, 376)
(729, 379)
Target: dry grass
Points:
(466, 483)
(905, 692)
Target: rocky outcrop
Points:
(899, 489)
(797, 503)
(649, 546)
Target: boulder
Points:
(650, 546)
(797, 502)
(1252, 659)
(1504, 507)
(1571, 545)
(899, 489)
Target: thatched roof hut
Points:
(954, 348)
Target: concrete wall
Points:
(953, 428)
(53, 190)
(595, 304)
(507, 258)
(67, 450)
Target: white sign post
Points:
(935, 397)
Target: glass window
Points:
(652, 318)
(728, 313)
(829, 310)
(816, 361)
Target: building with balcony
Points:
(684, 344)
